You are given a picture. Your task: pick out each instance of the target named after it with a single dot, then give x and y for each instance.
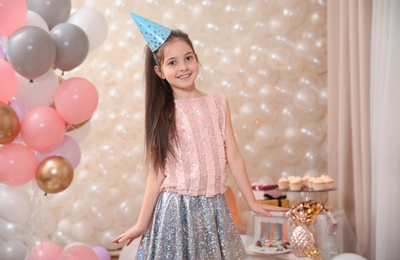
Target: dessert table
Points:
(333, 234)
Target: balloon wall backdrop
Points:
(77, 115)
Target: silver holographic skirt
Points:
(191, 227)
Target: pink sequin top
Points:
(199, 166)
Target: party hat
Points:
(154, 33)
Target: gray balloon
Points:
(72, 45)
(31, 51)
(52, 11)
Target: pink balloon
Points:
(76, 100)
(45, 251)
(42, 129)
(78, 252)
(69, 149)
(8, 82)
(18, 164)
(12, 15)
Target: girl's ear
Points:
(159, 72)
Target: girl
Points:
(189, 144)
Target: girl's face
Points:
(179, 66)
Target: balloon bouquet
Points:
(40, 110)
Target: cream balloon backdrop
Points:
(268, 57)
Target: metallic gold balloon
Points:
(54, 174)
(9, 124)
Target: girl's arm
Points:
(238, 169)
(152, 192)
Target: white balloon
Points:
(267, 92)
(93, 23)
(125, 211)
(294, 11)
(251, 152)
(320, 45)
(290, 153)
(13, 250)
(60, 199)
(291, 134)
(278, 25)
(64, 225)
(42, 222)
(34, 19)
(61, 238)
(38, 93)
(107, 236)
(15, 205)
(249, 111)
(304, 98)
(79, 209)
(270, 166)
(278, 58)
(265, 135)
(317, 18)
(312, 173)
(101, 216)
(11, 231)
(96, 193)
(268, 112)
(311, 158)
(289, 115)
(82, 229)
(311, 134)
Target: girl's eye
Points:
(171, 63)
(189, 58)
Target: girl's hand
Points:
(266, 209)
(129, 235)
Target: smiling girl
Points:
(190, 144)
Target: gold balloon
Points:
(9, 124)
(54, 174)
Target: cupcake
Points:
(305, 180)
(283, 183)
(295, 184)
(319, 184)
(310, 182)
(328, 182)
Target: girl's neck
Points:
(182, 94)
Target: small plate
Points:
(266, 250)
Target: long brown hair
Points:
(160, 126)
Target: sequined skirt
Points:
(191, 227)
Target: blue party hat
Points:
(154, 33)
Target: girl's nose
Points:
(183, 66)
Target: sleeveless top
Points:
(199, 164)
